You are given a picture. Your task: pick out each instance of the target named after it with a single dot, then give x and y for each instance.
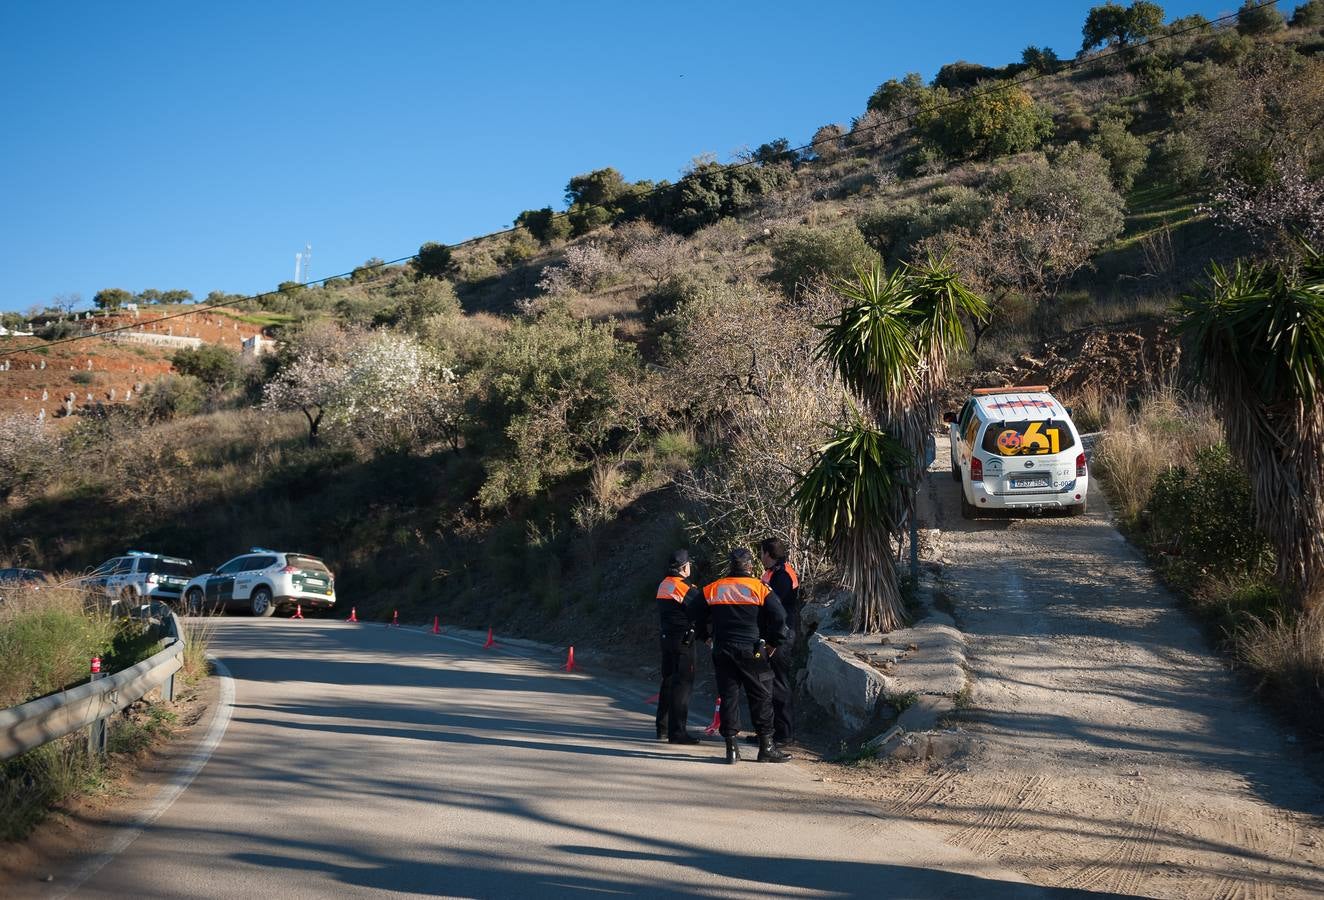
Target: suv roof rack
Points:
(1012, 389)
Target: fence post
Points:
(96, 732)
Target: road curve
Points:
(364, 761)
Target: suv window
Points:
(1032, 437)
(234, 565)
(105, 567)
(163, 567)
(306, 562)
(258, 563)
(123, 566)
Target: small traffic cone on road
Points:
(717, 720)
(490, 642)
(298, 611)
(570, 660)
(436, 624)
(395, 619)
(353, 614)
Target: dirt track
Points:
(1113, 750)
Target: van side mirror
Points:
(950, 418)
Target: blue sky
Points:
(198, 146)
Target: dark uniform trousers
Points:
(737, 668)
(783, 703)
(673, 698)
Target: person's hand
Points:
(772, 651)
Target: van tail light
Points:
(1080, 465)
(290, 570)
(152, 578)
(976, 469)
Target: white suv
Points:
(1017, 449)
(261, 580)
(137, 577)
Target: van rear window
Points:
(1034, 437)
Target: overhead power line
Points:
(902, 118)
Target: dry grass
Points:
(47, 637)
(1140, 442)
(198, 634)
(1289, 656)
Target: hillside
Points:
(518, 431)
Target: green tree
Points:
(897, 96)
(370, 269)
(773, 152)
(985, 124)
(149, 297)
(434, 261)
(1257, 334)
(1256, 17)
(544, 224)
(111, 299)
(177, 296)
(1120, 26)
(1041, 59)
(1126, 153)
(213, 365)
(1309, 15)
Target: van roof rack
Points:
(1012, 389)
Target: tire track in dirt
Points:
(1005, 813)
(1120, 869)
(1252, 836)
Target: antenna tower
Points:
(303, 263)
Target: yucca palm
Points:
(1257, 335)
(890, 345)
(852, 499)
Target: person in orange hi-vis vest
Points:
(748, 625)
(781, 576)
(676, 601)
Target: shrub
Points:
(1170, 92)
(1179, 159)
(27, 448)
(1124, 151)
(1289, 655)
(1203, 513)
(170, 397)
(1257, 18)
(434, 260)
(213, 365)
(1309, 15)
(893, 229)
(544, 224)
(803, 253)
(1076, 186)
(587, 268)
(710, 191)
(985, 124)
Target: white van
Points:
(1017, 449)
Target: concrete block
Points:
(844, 685)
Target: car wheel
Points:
(261, 602)
(193, 602)
(968, 510)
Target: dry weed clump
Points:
(1289, 656)
(1140, 442)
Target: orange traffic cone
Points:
(298, 611)
(436, 624)
(717, 719)
(570, 660)
(395, 619)
(353, 614)
(490, 642)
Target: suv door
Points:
(248, 577)
(220, 584)
(120, 576)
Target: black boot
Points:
(683, 738)
(768, 751)
(661, 731)
(732, 750)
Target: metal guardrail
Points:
(26, 727)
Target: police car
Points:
(260, 580)
(137, 577)
(1017, 449)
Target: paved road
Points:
(362, 761)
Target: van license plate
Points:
(1026, 481)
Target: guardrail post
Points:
(168, 689)
(96, 732)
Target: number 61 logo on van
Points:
(1035, 439)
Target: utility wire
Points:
(729, 167)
